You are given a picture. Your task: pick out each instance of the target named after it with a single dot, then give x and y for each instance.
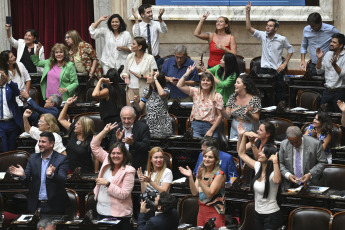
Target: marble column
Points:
(5, 10)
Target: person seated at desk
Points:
(174, 68)
(321, 129)
(112, 97)
(301, 159)
(46, 224)
(264, 136)
(115, 180)
(226, 162)
(158, 177)
(156, 102)
(243, 106)
(134, 134)
(45, 175)
(80, 134)
(207, 104)
(59, 74)
(52, 105)
(167, 217)
(265, 185)
(210, 186)
(26, 47)
(47, 123)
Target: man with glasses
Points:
(174, 68)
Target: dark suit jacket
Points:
(314, 160)
(141, 145)
(57, 196)
(11, 92)
(41, 110)
(166, 221)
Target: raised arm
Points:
(248, 23)
(62, 117)
(198, 33)
(181, 83)
(242, 152)
(27, 113)
(277, 177)
(99, 93)
(192, 185)
(101, 19)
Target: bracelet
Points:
(107, 185)
(253, 145)
(275, 162)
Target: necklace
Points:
(78, 142)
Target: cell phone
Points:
(9, 20)
(155, 70)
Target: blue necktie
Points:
(148, 34)
(1, 103)
(298, 164)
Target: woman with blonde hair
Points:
(46, 123)
(158, 177)
(82, 55)
(207, 104)
(80, 134)
(210, 186)
(59, 74)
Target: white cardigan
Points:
(147, 65)
(20, 46)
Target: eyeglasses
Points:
(41, 121)
(67, 37)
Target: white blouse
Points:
(110, 55)
(20, 80)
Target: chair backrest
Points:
(7, 159)
(73, 210)
(309, 218)
(247, 173)
(237, 164)
(248, 212)
(168, 160)
(332, 175)
(91, 204)
(308, 99)
(174, 122)
(241, 63)
(33, 93)
(89, 97)
(255, 64)
(337, 134)
(281, 125)
(188, 209)
(95, 116)
(338, 221)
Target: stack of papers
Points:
(298, 109)
(181, 180)
(270, 108)
(109, 221)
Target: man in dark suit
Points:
(51, 105)
(167, 218)
(46, 176)
(10, 116)
(135, 134)
(301, 159)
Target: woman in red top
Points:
(219, 42)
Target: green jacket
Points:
(225, 87)
(68, 77)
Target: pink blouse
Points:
(205, 110)
(53, 81)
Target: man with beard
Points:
(46, 176)
(135, 134)
(272, 50)
(333, 65)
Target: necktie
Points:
(148, 34)
(298, 164)
(1, 103)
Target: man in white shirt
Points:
(272, 50)
(150, 29)
(301, 159)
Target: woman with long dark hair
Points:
(207, 104)
(112, 96)
(82, 55)
(25, 48)
(220, 42)
(243, 106)
(138, 67)
(16, 71)
(117, 41)
(265, 185)
(225, 75)
(156, 102)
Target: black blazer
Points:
(57, 196)
(141, 145)
(166, 221)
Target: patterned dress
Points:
(157, 116)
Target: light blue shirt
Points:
(42, 195)
(272, 49)
(314, 39)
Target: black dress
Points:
(79, 154)
(108, 109)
